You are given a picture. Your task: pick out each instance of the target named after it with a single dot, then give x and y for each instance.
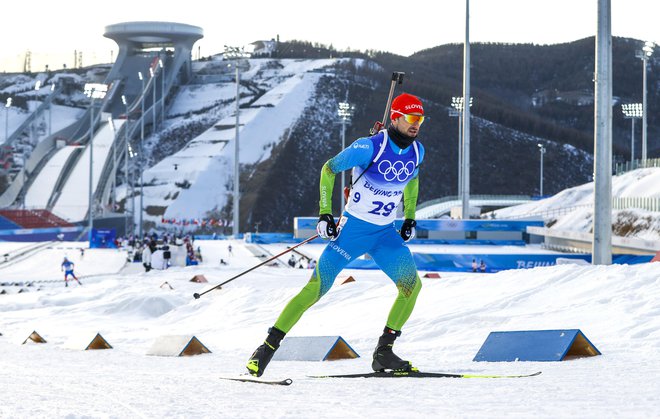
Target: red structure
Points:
(34, 218)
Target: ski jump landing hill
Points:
(58, 169)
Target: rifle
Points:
(397, 78)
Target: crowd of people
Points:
(144, 249)
(302, 262)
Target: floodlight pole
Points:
(454, 111)
(91, 166)
(645, 58)
(345, 112)
(125, 102)
(644, 121)
(24, 180)
(542, 151)
(466, 117)
(632, 111)
(141, 158)
(457, 111)
(162, 92)
(50, 112)
(602, 225)
(343, 177)
(7, 106)
(153, 105)
(632, 141)
(236, 230)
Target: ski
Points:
(250, 379)
(421, 374)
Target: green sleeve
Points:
(410, 198)
(326, 186)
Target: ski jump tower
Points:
(139, 40)
(160, 52)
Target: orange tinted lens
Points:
(411, 119)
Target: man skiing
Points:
(385, 169)
(67, 267)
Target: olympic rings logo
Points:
(397, 170)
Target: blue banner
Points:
(103, 239)
(41, 234)
(490, 263)
(309, 223)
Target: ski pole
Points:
(397, 77)
(196, 295)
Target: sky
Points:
(52, 34)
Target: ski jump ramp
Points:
(43, 186)
(60, 177)
(73, 202)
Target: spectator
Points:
(167, 255)
(146, 258)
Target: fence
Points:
(621, 168)
(645, 203)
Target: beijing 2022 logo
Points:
(398, 170)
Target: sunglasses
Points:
(411, 119)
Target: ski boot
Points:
(264, 353)
(384, 358)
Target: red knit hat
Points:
(405, 103)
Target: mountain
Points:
(524, 95)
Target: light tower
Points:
(345, 112)
(457, 111)
(235, 53)
(141, 157)
(542, 151)
(632, 111)
(7, 106)
(644, 54)
(94, 91)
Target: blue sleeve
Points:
(357, 154)
(421, 153)
(421, 158)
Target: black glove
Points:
(408, 229)
(326, 226)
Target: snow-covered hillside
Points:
(572, 209)
(280, 90)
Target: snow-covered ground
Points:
(617, 307)
(572, 209)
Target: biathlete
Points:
(67, 267)
(385, 168)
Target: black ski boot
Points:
(384, 358)
(264, 353)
